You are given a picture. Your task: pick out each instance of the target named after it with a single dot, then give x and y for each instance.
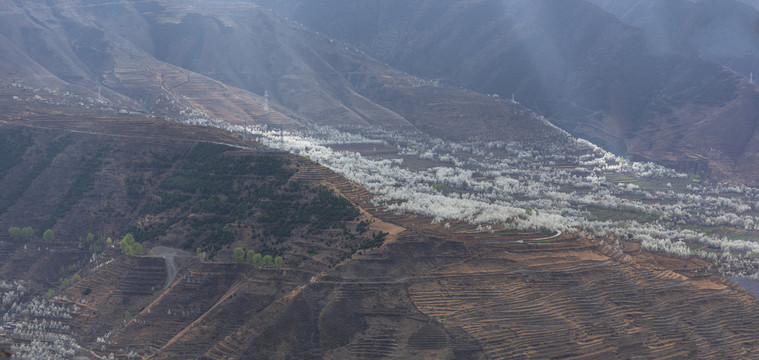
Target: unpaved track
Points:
(169, 254)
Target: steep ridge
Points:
(204, 61)
(316, 77)
(586, 70)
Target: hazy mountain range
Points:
(416, 183)
(633, 78)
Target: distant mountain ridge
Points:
(181, 59)
(587, 70)
(580, 66)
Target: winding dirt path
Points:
(169, 254)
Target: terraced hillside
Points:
(432, 292)
(356, 281)
(91, 176)
(565, 301)
(425, 296)
(88, 171)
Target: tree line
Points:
(25, 234)
(258, 260)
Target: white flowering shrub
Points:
(40, 329)
(490, 183)
(61, 347)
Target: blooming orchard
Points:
(573, 185)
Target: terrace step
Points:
(376, 346)
(428, 338)
(585, 309)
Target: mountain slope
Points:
(85, 171)
(216, 60)
(344, 290)
(427, 292)
(597, 77)
(724, 32)
(202, 61)
(90, 176)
